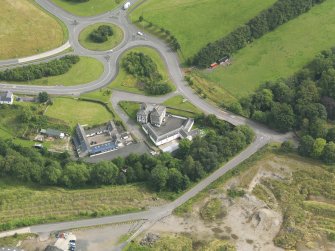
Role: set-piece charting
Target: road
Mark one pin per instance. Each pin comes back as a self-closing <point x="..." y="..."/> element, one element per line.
<point x="110" y="60"/>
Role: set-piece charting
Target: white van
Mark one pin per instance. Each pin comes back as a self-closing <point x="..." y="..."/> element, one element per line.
<point x="126" y="5"/>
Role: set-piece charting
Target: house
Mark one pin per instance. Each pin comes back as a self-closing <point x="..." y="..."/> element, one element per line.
<point x="153" y="114"/>
<point x="174" y="127"/>
<point x="53" y="133"/>
<point x="97" y="140"/>
<point x="162" y="128"/>
<point x="6" y="98"/>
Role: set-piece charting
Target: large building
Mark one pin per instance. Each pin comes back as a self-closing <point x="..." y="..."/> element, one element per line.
<point x="96" y="140"/>
<point x="6" y="98"/>
<point x="162" y="128"/>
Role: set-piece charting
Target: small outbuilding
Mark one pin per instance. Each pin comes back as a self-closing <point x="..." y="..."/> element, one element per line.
<point x="6" y="98"/>
<point x="52" y="133"/>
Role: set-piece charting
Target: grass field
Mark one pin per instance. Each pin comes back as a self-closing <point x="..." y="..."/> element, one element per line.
<point x="279" y="53"/>
<point x="178" y="102"/>
<point x="36" y="204"/>
<point x="86" y="70"/>
<point x="90" y="8"/>
<point x="113" y="41"/>
<point x="197" y="22"/>
<point x="126" y="82"/>
<point x="27" y="30"/>
<point x="74" y="111"/>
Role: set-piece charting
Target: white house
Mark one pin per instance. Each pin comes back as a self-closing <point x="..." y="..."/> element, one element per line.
<point x="6" y="98"/>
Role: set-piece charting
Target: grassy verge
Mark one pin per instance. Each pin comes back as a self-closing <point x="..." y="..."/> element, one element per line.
<point x="14" y="240"/>
<point x="126" y="82"/>
<point x="195" y="23"/>
<point x="113" y="41"/>
<point x="78" y="111"/>
<point x="178" y="102"/>
<point x="27" y="204"/>
<point x="86" y="70"/>
<point x="278" y="54"/>
<point x="89" y="8"/>
<point x="26" y="29"/>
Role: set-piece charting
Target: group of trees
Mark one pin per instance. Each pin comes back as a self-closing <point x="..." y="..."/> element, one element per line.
<point x="145" y="70"/>
<point x="163" y="172"/>
<point x="279" y="13"/>
<point x="36" y="71"/>
<point x="303" y="102"/>
<point x="101" y="34"/>
<point x="172" y="40"/>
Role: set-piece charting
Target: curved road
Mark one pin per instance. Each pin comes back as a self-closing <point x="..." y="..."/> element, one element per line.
<point x="110" y="60"/>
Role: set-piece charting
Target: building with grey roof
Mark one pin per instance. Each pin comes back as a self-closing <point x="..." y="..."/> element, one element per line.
<point x="6" y="98"/>
<point x="153" y="114"/>
<point x="85" y="144"/>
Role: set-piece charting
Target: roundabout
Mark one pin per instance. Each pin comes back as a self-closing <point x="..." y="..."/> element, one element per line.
<point x="114" y="40"/>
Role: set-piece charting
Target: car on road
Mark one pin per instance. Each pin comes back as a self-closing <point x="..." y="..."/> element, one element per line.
<point x="139" y="33"/>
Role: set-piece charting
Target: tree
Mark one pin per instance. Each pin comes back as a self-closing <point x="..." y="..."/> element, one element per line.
<point x="140" y="19"/>
<point x="328" y="154"/>
<point x="287" y="146"/>
<point x="159" y="176"/>
<point x="282" y="117"/>
<point x="104" y="172"/>
<point x="43" y="97"/>
<point x="306" y="145"/>
<point x="318" y="147"/>
<point x="174" y="180"/>
<point x="75" y="175"/>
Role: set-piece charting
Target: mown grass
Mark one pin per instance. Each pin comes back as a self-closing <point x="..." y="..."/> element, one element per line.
<point x="90" y="8"/>
<point x="195" y="23"/>
<point x="130" y="108"/>
<point x="24" y="204"/>
<point x="113" y="41"/>
<point x="86" y="70"/>
<point x="73" y="111"/>
<point x="179" y="102"/>
<point x="128" y="83"/>
<point x="278" y="54"/>
<point x="26" y="30"/>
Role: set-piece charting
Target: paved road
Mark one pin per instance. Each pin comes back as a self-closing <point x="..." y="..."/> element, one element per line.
<point x="110" y="60"/>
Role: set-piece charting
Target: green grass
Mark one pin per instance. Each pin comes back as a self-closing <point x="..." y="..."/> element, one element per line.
<point x="212" y="210"/>
<point x="128" y="83"/>
<point x="86" y="70"/>
<point x="102" y="95"/>
<point x="30" y="204"/>
<point x="130" y="108"/>
<point x="90" y="8"/>
<point x="278" y="54"/>
<point x="73" y="111"/>
<point x="195" y="23"/>
<point x="12" y="241"/>
<point x="179" y="102"/>
<point x="113" y="41"/>
<point x="25" y="29"/>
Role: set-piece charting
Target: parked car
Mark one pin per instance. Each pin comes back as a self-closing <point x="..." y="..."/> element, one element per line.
<point x="139" y="33"/>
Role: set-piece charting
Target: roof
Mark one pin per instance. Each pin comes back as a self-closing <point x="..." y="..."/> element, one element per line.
<point x="172" y="126"/>
<point x="108" y="146"/>
<point x="6" y="96"/>
<point x="51" y="132"/>
<point x="158" y="110"/>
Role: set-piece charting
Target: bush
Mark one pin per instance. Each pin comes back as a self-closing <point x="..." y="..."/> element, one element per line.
<point x="101" y="34"/>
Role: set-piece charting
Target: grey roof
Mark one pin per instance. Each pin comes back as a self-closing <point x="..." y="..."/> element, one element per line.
<point x="170" y="127"/>
<point x="158" y="110"/>
<point x="51" y="132"/>
<point x="6" y="96"/>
